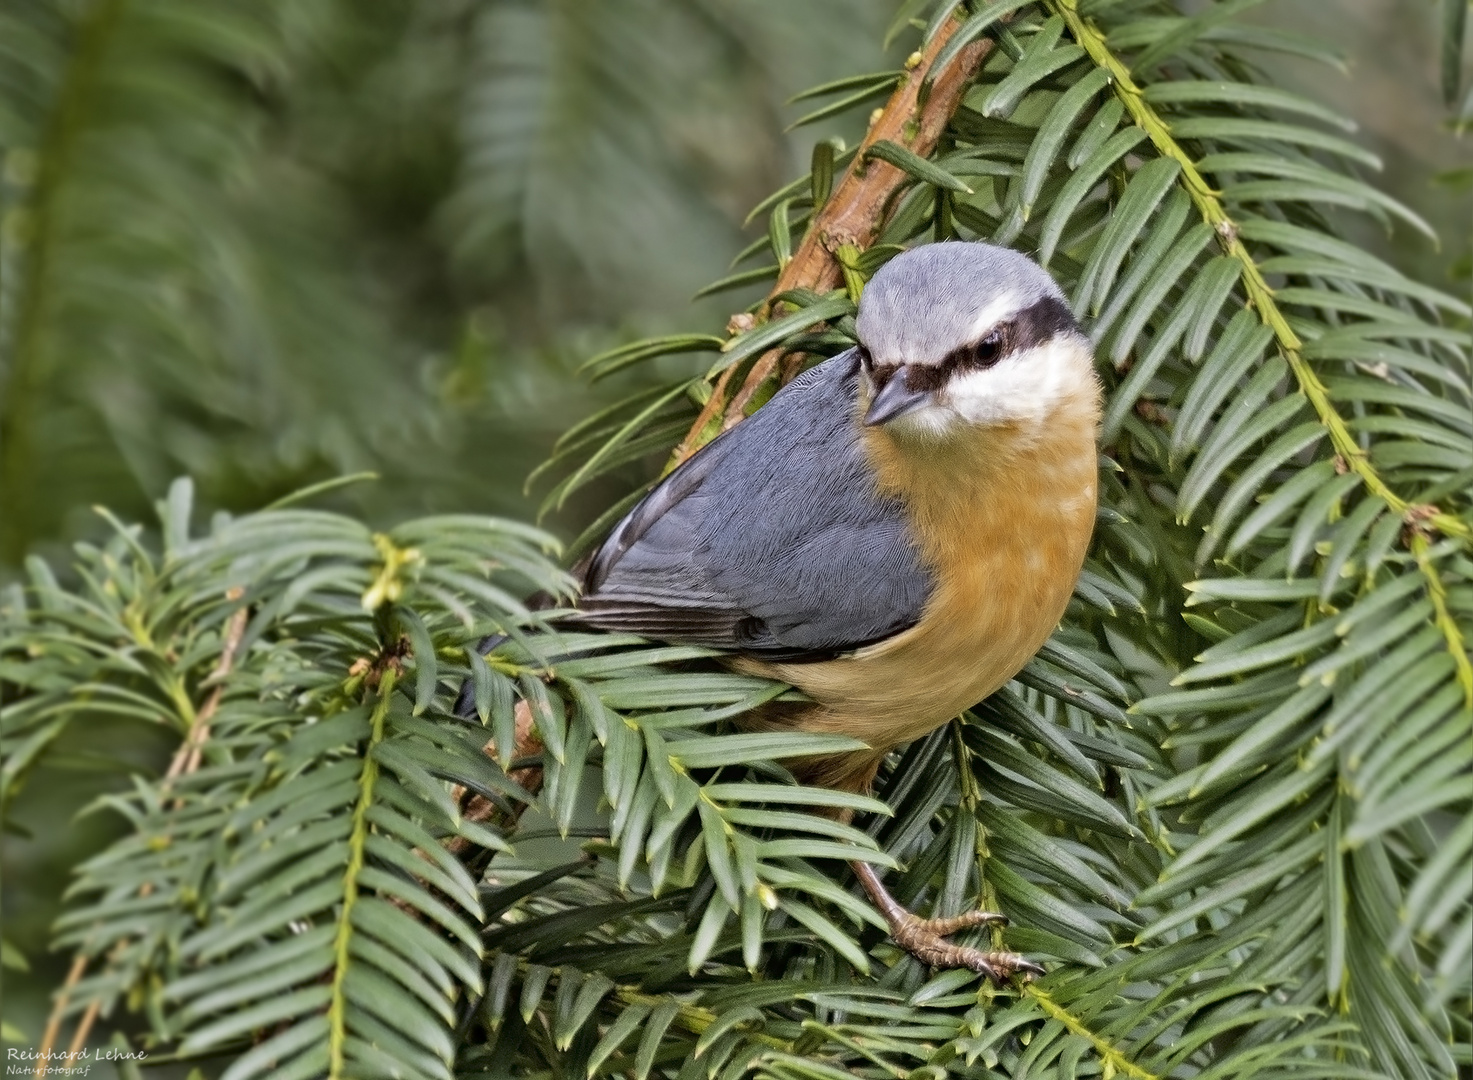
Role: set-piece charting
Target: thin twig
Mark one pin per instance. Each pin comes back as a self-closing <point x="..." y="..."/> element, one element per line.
<point x="187" y="758"/>
<point x="84" y="1028"/>
<point x="854" y="214"/>
<point x="1437" y="593"/>
<point x="63" y="998"/>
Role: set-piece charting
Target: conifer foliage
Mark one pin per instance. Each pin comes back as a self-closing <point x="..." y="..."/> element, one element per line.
<point x="1228" y="806"/>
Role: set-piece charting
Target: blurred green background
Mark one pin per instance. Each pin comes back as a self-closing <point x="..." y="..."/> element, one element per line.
<point x="268" y="244"/>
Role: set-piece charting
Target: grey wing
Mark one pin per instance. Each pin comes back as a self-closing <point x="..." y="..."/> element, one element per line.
<point x="770" y="541"/>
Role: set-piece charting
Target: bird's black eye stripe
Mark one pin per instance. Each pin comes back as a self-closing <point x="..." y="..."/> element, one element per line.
<point x="977" y="355"/>
<point x="929" y="377"/>
<point x="1035" y="325"/>
<point x="1045" y="320"/>
<point x="1031" y="327"/>
<point x="880" y="374"/>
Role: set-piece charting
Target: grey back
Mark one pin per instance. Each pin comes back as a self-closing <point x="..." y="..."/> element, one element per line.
<point x="771" y="541"/>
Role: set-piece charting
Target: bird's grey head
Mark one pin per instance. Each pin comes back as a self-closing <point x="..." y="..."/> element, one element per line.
<point x="956" y="335"/>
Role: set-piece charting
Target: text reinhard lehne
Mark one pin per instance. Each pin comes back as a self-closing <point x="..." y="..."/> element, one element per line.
<point x="63" y="1062"/>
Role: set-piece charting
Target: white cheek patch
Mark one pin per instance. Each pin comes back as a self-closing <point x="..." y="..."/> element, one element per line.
<point x="1025" y="387"/>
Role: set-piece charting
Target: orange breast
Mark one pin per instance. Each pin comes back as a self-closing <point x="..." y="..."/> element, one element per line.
<point x="1003" y="520"/>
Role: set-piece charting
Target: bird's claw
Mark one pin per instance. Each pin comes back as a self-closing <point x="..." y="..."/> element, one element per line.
<point x="925" y="939"/>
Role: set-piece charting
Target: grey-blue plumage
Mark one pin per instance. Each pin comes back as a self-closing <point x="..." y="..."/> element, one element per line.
<point x="771" y="541"/>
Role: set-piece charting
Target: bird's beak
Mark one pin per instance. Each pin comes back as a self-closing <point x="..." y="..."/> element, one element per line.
<point x="895" y="399"/>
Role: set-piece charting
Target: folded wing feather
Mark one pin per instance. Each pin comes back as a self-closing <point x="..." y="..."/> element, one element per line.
<point x="771" y="541"/>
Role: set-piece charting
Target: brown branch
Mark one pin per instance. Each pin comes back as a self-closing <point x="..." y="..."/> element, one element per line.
<point x="53" y="1022"/>
<point x="713" y="408"/>
<point x="479" y="808"/>
<point x="185" y="761"/>
<point x="187" y="758"/>
<point x="854" y="214"/>
<point x="84" y="1028"/>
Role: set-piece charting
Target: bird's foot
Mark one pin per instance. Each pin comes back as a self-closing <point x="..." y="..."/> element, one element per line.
<point x="925" y="939"/>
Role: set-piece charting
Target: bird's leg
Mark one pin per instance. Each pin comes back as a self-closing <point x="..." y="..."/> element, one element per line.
<point x="925" y="938"/>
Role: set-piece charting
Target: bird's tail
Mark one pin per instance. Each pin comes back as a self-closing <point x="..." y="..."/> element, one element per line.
<point x="465" y="702"/>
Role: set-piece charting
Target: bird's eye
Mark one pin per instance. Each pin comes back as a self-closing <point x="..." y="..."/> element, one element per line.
<point x="989" y="350"/>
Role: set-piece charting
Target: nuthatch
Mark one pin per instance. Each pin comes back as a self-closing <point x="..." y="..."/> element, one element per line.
<point x="895" y="533"/>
